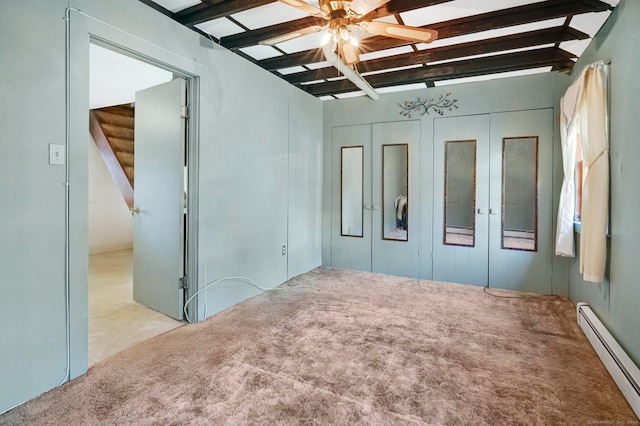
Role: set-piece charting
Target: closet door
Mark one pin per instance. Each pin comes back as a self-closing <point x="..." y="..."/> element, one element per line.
<point x="461" y="198"/>
<point x="351" y="198"/>
<point x="395" y="198"/>
<point x="521" y="234"/>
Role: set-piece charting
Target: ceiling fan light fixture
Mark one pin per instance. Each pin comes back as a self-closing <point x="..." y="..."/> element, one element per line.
<point x="326" y="38"/>
<point x="344" y="32"/>
<point x="354" y="41"/>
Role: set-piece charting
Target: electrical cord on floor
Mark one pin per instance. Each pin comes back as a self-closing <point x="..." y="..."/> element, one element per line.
<point x="242" y="279"/>
<point x="536" y="296"/>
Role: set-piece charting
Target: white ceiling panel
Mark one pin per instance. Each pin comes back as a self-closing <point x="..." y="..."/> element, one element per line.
<point x="176" y="5"/>
<point x="308" y="42"/>
<point x="220" y="27"/>
<point x="269" y="14"/>
<point x="485" y="55"/>
<point x="401" y="88"/>
<point x="457" y="9"/>
<point x="577" y="47"/>
<point x="318" y="65"/>
<point x="260" y="52"/>
<point x="590" y="23"/>
<point x="492" y="76"/>
<point x="292" y="70"/>
<point x="408" y="67"/>
<point x="385" y="53"/>
<point x="306" y="83"/>
<point x="337" y="78"/>
<point x="326" y="98"/>
<point x="350" y="95"/>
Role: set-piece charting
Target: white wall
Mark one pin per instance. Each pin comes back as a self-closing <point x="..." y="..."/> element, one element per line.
<point x="110" y="223"/>
<point x="247" y="135"/>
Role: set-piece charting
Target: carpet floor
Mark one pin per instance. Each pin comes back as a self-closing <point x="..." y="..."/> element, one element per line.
<point x="352" y="348"/>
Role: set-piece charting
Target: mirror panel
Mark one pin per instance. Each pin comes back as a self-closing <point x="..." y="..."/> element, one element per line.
<point x="520" y="193"/>
<point x="460" y="193"/>
<point x="395" y="191"/>
<point x="351" y="190"/>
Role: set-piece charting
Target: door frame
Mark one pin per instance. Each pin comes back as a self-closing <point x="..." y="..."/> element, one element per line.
<point x="191" y="144"/>
<point x="83" y="29"/>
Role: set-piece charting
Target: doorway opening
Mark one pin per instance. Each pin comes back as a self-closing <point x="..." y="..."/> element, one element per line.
<point x="116" y="320"/>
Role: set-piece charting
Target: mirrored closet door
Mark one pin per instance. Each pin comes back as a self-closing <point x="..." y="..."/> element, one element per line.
<point x="492" y="202"/>
<point x="375" y="198"/>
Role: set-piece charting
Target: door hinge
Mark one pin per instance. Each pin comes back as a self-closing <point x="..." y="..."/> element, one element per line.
<point x="184" y="111"/>
<point x="183" y="283"/>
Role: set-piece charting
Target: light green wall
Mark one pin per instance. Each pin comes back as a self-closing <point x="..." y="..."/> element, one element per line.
<point x="501" y="95"/>
<point x="617" y="300"/>
<point x="252" y="126"/>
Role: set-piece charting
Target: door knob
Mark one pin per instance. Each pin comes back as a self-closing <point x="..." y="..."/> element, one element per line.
<point x="376" y="207"/>
<point x="368" y="206"/>
<point x="493" y="211"/>
<point x="482" y="211"/>
<point x="134" y="211"/>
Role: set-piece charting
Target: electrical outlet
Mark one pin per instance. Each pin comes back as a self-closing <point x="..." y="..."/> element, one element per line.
<point x="284" y="250"/>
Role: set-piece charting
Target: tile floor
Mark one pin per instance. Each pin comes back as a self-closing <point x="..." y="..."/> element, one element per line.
<point x="116" y="322"/>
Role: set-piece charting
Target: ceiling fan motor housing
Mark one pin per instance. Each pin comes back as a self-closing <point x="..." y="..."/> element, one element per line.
<point x="335" y="9"/>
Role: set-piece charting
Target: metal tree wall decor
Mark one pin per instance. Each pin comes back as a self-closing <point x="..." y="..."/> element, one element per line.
<point x="422" y="107"/>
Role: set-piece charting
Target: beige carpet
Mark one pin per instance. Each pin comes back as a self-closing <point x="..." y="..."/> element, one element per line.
<point x="357" y="348"/>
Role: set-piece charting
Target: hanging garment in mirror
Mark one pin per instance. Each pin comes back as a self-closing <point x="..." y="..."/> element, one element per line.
<point x="395" y="188"/>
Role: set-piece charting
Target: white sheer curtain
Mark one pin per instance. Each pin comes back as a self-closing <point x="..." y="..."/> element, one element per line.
<point x="569" y="125"/>
<point x="584" y="115"/>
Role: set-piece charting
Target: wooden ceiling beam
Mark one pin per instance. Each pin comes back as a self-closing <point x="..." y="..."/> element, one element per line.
<point x="493" y="45"/>
<point x="536" y="12"/>
<point x="213" y="9"/>
<point x="252" y="38"/>
<point x="551" y="56"/>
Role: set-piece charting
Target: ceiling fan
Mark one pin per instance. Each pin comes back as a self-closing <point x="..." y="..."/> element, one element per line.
<point x="343" y="17"/>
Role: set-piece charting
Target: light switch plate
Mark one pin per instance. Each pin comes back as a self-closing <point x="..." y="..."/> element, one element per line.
<point x="56" y="154"/>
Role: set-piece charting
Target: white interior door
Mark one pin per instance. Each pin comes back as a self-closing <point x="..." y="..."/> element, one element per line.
<point x="158" y="240"/>
<point x="351" y="198"/>
<point x="520" y="267"/>
<point x="461" y="152"/>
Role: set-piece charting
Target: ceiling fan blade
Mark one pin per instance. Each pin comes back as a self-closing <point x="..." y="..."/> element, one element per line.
<point x="304" y="7"/>
<point x="290" y="36"/>
<point x="349" y="53"/>
<point x="402" y="32"/>
<point x="362" y="7"/>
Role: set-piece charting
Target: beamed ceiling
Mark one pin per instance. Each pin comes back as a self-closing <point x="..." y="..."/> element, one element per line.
<point x="477" y="40"/>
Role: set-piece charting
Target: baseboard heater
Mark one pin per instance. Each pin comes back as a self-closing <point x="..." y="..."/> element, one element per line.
<point x="622" y="369"/>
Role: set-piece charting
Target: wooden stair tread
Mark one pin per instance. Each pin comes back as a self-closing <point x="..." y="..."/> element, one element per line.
<point x="117" y="131"/>
<point x="108" y="117"/>
<point x="125" y="158"/>
<point x="122" y="145"/>
<point x="126" y="110"/>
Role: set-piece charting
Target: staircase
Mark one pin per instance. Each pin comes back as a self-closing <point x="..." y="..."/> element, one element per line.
<point x="112" y="128"/>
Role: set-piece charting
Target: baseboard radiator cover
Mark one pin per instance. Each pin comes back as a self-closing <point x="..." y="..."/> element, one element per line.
<point x="621" y="368"/>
